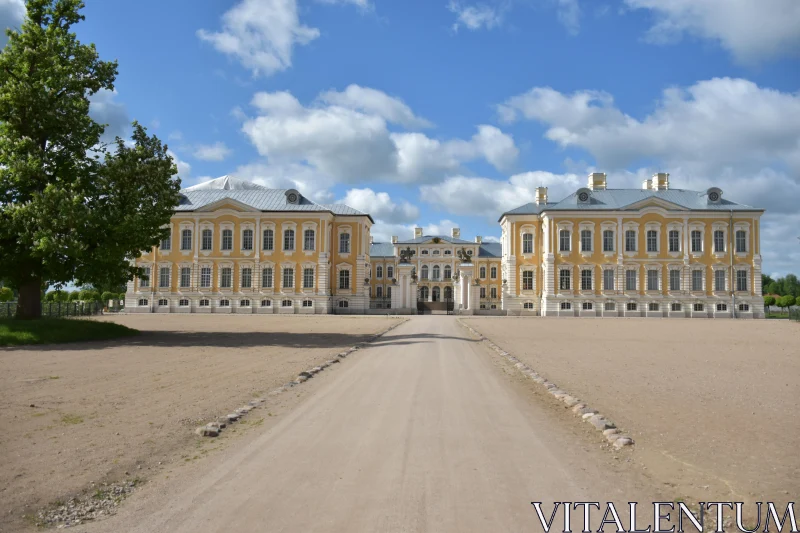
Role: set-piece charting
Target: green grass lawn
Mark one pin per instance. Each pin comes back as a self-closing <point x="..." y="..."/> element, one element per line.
<point x="59" y="330"/>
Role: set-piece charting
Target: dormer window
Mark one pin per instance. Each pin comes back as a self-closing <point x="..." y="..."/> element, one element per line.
<point x="584" y="196"/>
<point x="292" y="197"/>
<point x="714" y="195"/>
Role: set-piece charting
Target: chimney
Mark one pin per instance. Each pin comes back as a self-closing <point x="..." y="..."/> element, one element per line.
<point x="417" y="232"/>
<point x="478" y="239"/>
<point x="647" y="185"/>
<point x="455" y="233"/>
<point x="660" y="181"/>
<point x="371" y="239"/>
<point x="541" y="195"/>
<point x="597" y="181"/>
<point x="394" y="239"/>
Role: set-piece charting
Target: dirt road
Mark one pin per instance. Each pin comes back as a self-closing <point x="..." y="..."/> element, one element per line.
<point x="419" y="432"/>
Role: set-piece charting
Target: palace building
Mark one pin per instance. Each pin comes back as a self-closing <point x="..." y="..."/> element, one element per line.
<point x="237" y="247"/>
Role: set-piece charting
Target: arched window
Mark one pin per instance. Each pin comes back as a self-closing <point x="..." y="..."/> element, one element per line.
<point x="436" y="272"/>
<point x="527" y="243"/>
<point x="483" y="273"/>
<point x="493" y="272"/>
<point x="564" y="240"/>
<point x="186" y="239"/>
<point x="448" y="273"/>
<point x="269" y="240"/>
<point x="308" y="240"/>
<point x="288" y="239"/>
<point x="266" y="303"/>
<point x="204" y="302"/>
<point x="247" y="239"/>
<point x="436" y="293"/>
<point x="227" y="239"/>
<point x="379" y="272"/>
<point x="424" y="272"/>
<point x="423" y="293"/>
<point x="390" y="271"/>
<point x="206" y="244"/>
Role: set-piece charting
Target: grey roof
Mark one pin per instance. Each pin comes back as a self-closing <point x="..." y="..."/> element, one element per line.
<point x="490" y="249"/>
<point x="381" y="249"/>
<point x="426" y="238"/>
<point x="226" y="183"/>
<point x="343" y="209"/>
<point x="620" y="199"/>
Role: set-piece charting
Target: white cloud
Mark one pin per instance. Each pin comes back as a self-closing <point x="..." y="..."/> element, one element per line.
<point x="569" y="14"/>
<point x="374" y="102"/>
<point x="363" y="4"/>
<point x="752" y="30"/>
<point x="12" y="13"/>
<point x="104" y="109"/>
<point x="475" y="17"/>
<point x="184" y="170"/>
<point x="381" y="206"/>
<point x="261" y="34"/>
<point x="349" y="145"/>
<point x="212" y="152"/>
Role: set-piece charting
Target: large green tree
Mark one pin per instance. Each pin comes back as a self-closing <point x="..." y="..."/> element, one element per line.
<point x="71" y="208"/>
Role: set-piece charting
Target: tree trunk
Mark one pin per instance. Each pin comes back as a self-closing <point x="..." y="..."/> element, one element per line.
<point x="29" y="306"/>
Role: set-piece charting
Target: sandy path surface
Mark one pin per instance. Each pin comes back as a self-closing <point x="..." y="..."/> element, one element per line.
<point x="418" y="432"/>
<point x="106" y="408"/>
<point x="712" y="404"/>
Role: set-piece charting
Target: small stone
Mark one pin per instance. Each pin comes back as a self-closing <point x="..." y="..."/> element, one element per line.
<point x="332" y="361"/>
<point x="622" y="442"/>
<point x="316" y="369"/>
<point x="600" y="423"/>
<point x="569" y="401"/>
<point x="612" y="437"/>
<point x="549" y="385"/>
<point x="222" y="422"/>
<point x="576" y="408"/>
<point x="610" y="431"/>
<point x="306" y="374"/>
<point x="587" y="416"/>
<point x="301" y="378"/>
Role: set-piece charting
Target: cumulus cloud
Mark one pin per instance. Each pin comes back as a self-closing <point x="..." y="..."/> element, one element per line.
<point x="383" y="232"/>
<point x="351" y="140"/>
<point x="751" y="30"/>
<point x="569" y="14"/>
<point x="261" y="34"/>
<point x="105" y="109"/>
<point x="212" y="152"/>
<point x="381" y="206"/>
<point x="475" y="17"/>
<point x="185" y="171"/>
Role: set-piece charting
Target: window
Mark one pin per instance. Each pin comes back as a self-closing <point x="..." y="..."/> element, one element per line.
<point x="483" y="306"/>
<point x="674" y="240"/>
<point x="286" y="303"/>
<point x="436" y="272"/>
<point x="206" y="241"/>
<point x="448" y="273"/>
<point x="483" y="292"/>
<point x="390" y="272"/>
<point x="224" y="303"/>
<point x="697" y="280"/>
<point x="247" y="239"/>
<point x="205" y="277"/>
<point x="269" y="240"/>
<point x="483" y="273"/>
<point x="587" y="306"/>
<point x="163" y="277"/>
<point x="630" y="280"/>
<point x="586" y="240"/>
<point x="379" y="292"/>
<point x="586" y="280"/>
<point x="493" y="306"/>
<point x="204" y="302"/>
<point x="675" y="307"/>
<point x="527" y="280"/>
<point x="652" y="240"/>
<point x="183" y="302"/>
<point x="652" y="280"/>
<point x="309" y="239"/>
<point x="741" y="280"/>
<point x="608" y="280"/>
<point x="610" y="306"/>
<point x="266" y="303"/>
<point x="493" y="292"/>
<point x="698" y="308"/>
<point x="308" y="278"/>
<point x="379" y="272"/>
<point x="722" y="308"/>
<point x="630" y="240"/>
<point x="226" y="281"/>
<point x="389" y="292"/>
<point x="674" y="280"/>
<point x="493" y="273"/>
<point x="741" y="241"/>
<point x="144" y="281"/>
<point x="563" y="240"/>
<point x="436" y="252"/>
<point x="697" y="241"/>
<point x="244" y="303"/>
<point x="744" y="307"/>
<point x="344" y="303"/>
<point x="719" y="280"/>
<point x="344" y="279"/>
<point x="227" y="239"/>
<point x="186" y="276"/>
<point x="344" y="243"/>
<point x="166" y="244"/>
<point x="424" y="272"/>
<point x="608" y="240"/>
<point x="564" y="279"/>
<point x="448" y="252"/>
<point x="288" y="278"/>
<point x="308" y="303"/>
<point x="652" y="306"/>
<point x="527" y="305"/>
<point x="719" y="240"/>
<point x="527" y="243"/>
<point x="186" y="239"/>
<point x="288" y="239"/>
<point x="143" y="301"/>
<point x="247" y="278"/>
<point x="565" y="306"/>
<point x="424" y="252"/>
<point x="631" y="306"/>
<point x="266" y="278"/>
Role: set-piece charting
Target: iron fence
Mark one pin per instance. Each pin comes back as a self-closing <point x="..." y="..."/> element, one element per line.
<point x="56" y="309"/>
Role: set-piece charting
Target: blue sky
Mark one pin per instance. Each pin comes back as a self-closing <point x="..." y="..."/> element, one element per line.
<point x="440" y="113"/>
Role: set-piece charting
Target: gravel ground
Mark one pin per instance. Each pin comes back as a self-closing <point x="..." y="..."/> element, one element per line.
<point x="712" y="404"/>
<point x="74" y="416"/>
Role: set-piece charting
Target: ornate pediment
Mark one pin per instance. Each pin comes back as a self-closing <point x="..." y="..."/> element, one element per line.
<point x="227" y="203"/>
<point x="657" y="203"/>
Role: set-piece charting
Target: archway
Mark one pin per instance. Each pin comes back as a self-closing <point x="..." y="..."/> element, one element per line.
<point x="448" y="293"/>
<point x="423" y="294"/>
<point x="436" y="295"/>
